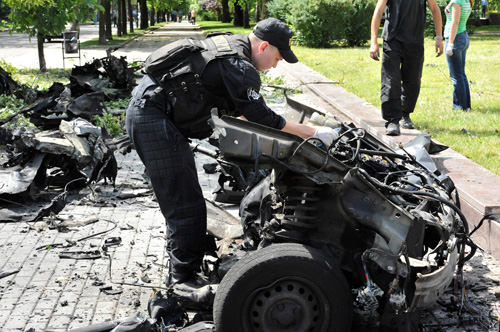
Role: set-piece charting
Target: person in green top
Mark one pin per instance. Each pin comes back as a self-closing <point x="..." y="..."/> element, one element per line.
<point x="457" y="42"/>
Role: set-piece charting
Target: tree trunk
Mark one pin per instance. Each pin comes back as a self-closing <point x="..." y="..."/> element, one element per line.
<point x="226" y="17"/>
<point x="144" y="14"/>
<point x="75" y="26"/>
<point x="238" y="16"/>
<point x="41" y="55"/>
<point x="130" y="16"/>
<point x="153" y="17"/>
<point x="246" y="17"/>
<point x="263" y="13"/>
<point x="107" y="15"/>
<point x="119" y="20"/>
<point x="258" y="10"/>
<point x="124" y="17"/>
<point x="102" y="27"/>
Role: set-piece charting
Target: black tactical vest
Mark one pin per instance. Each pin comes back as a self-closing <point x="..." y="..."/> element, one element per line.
<point x="178" y="67"/>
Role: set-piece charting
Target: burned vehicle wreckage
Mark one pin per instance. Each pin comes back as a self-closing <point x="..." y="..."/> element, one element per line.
<point x="327" y="220"/>
<point x="63" y="148"/>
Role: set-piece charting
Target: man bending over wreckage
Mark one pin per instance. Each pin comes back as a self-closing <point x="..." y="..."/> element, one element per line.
<point x="185" y="80"/>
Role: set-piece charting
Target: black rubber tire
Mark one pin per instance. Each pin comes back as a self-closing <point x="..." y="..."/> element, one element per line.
<point x="283" y="287"/>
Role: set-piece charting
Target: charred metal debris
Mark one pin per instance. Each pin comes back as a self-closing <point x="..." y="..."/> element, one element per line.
<point x="64" y="149"/>
<point x="331" y="219"/>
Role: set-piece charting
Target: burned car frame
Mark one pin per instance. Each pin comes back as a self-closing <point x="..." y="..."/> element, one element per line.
<point x="327" y="220"/>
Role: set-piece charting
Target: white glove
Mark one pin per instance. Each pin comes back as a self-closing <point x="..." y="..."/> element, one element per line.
<point x="326" y="134"/>
<point x="449" y="49"/>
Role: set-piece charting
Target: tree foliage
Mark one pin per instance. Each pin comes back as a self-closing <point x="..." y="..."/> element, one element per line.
<point x="4" y="10"/>
<point x="280" y="9"/>
<point x="48" y="17"/>
<point x="210" y="5"/>
<point x="42" y="18"/>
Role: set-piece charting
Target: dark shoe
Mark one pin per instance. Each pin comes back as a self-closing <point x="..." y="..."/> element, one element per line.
<point x="392" y="129"/>
<point x="196" y="298"/>
<point x="195" y="293"/>
<point x="406" y="122"/>
<point x="194" y="282"/>
<point x="174" y="278"/>
<point x="191" y="280"/>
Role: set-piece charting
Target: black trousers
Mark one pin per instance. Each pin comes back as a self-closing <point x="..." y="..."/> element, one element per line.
<point x="400" y="82"/>
<point x="171" y="166"/>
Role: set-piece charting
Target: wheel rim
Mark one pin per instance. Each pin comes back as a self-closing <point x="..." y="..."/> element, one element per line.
<point x="288" y="304"/>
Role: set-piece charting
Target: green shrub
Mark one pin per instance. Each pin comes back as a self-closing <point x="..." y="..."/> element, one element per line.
<point x="318" y="23"/>
<point x="324" y="23"/>
<point x="359" y="28"/>
<point x="10" y="105"/>
<point x="279" y="9"/>
<point x="113" y="123"/>
<point x="209" y="16"/>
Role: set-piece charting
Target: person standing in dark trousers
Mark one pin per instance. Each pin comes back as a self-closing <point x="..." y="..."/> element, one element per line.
<point x="232" y="85"/>
<point x="403" y="56"/>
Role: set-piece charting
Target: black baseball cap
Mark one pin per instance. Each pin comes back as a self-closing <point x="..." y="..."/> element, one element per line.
<point x="277" y="34"/>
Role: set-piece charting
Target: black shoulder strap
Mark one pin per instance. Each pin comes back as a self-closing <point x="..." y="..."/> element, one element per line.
<point x="221" y="46"/>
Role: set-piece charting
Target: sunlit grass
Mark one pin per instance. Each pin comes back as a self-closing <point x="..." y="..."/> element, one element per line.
<point x="37" y="80"/>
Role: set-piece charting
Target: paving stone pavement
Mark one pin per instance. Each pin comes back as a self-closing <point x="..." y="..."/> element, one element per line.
<point x="50" y="293"/>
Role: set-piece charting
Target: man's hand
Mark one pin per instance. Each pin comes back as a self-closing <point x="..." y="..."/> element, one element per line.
<point x="374" y="51"/>
<point x="326" y="134"/>
<point x="449" y="49"/>
<point x="439" y="47"/>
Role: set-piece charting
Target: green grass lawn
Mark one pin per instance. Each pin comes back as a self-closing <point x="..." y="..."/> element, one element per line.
<point x="475" y="134"/>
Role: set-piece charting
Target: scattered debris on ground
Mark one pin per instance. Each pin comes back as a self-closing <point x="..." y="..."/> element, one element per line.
<point x="64" y="149"/>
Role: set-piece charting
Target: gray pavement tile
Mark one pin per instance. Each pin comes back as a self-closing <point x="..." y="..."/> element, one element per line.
<point x="8" y="304"/>
<point x="59" y="323"/>
<point x="23" y="307"/>
<point x="37" y="325"/>
<point x="15" y="323"/>
<point x="45" y="302"/>
<point x="65" y="308"/>
<point x="4" y="315"/>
